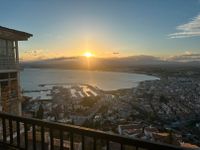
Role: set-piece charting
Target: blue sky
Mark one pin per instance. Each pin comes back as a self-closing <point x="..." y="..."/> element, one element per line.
<point x="129" y="27"/>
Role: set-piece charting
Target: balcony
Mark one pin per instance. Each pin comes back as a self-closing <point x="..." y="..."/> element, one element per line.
<point x="27" y="133"/>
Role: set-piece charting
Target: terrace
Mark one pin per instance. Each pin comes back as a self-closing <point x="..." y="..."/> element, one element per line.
<point x="27" y="133"/>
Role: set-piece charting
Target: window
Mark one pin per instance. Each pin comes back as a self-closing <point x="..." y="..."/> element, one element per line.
<point x="3" y="76"/>
<point x="6" y="50"/>
<point x="2" y="47"/>
<point x="13" y="75"/>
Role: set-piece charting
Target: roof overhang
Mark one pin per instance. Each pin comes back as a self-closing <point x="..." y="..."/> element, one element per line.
<point x="11" y="34"/>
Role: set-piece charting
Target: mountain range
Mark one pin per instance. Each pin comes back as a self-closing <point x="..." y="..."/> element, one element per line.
<point x="95" y="63"/>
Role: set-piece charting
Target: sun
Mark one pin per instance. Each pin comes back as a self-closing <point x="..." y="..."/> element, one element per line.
<point x="88" y="54"/>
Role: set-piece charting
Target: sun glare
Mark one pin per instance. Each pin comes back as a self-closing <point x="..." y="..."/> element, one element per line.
<point x="88" y="54"/>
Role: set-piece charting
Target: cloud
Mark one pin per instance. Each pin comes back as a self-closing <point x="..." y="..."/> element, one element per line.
<point x="190" y="29"/>
<point x="31" y="54"/>
<point x="185" y="57"/>
<point x="62" y="58"/>
<point x="115" y="53"/>
<point x="42" y="54"/>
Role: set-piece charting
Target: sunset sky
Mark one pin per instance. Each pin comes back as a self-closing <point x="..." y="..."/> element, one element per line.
<point x="105" y="28"/>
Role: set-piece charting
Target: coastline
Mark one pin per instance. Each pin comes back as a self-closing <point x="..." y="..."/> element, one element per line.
<point x="46" y="86"/>
<point x="99" y="70"/>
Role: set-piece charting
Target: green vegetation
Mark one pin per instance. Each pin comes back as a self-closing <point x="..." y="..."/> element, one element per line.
<point x="89" y="101"/>
<point x="163" y="99"/>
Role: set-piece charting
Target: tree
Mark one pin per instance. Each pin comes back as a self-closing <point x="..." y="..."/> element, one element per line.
<point x="163" y="99"/>
<point x="40" y="112"/>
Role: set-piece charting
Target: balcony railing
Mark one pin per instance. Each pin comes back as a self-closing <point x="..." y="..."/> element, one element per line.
<point x="26" y="133"/>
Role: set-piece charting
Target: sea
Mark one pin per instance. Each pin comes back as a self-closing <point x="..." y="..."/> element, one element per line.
<point x="34" y="79"/>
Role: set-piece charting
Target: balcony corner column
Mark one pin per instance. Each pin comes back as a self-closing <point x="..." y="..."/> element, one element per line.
<point x="17" y="52"/>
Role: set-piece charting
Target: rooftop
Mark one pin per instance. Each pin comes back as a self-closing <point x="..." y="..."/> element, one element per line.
<point x="11" y="34"/>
